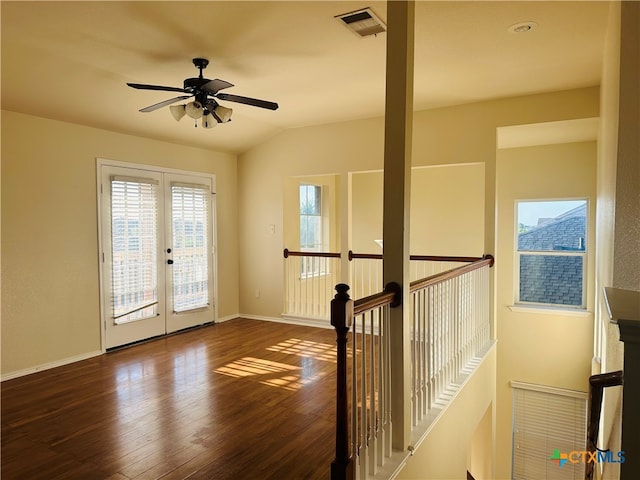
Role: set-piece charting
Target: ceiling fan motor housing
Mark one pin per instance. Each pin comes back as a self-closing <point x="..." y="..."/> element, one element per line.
<point x="195" y="83"/>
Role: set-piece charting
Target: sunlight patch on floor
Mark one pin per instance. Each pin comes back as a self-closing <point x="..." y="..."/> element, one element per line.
<point x="274" y="374"/>
<point x="249" y="366"/>
<point x="306" y="348"/>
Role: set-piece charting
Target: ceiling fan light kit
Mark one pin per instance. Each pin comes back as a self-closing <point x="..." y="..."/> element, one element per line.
<point x="194" y="110"/>
<point x="205" y="93"/>
<point x="223" y="113"/>
<point x="178" y="111"/>
<point x="209" y="121"/>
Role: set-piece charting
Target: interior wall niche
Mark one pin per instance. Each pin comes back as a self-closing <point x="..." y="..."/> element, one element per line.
<point x="447" y="210"/>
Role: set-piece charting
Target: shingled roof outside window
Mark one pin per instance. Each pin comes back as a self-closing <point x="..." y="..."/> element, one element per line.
<point x="551" y="257"/>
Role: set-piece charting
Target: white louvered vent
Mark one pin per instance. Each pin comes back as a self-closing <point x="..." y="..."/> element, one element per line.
<point x="363" y="22"/>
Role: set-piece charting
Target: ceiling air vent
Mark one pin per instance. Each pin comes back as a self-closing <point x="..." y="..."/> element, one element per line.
<point x="362" y="22"/>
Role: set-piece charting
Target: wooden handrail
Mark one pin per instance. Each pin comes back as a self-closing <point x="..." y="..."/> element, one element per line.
<point x="438" y="258"/>
<point x="449" y="274"/>
<point x="371" y="256"/>
<point x="424" y="258"/>
<point x="291" y="253"/>
<point x="389" y="296"/>
<point x="597" y="384"/>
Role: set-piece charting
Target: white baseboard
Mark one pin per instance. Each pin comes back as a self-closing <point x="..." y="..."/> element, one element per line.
<point x="228" y="317"/>
<point x="47" y="366"/>
<point x="305" y="322"/>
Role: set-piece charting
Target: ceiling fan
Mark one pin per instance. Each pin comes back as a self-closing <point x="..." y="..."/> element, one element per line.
<point x="205" y="93"/>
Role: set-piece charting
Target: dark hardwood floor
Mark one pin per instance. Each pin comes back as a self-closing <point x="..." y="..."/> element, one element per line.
<point x="240" y="400"/>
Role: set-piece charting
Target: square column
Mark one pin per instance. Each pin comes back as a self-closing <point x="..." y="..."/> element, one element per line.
<point x="397" y="182"/>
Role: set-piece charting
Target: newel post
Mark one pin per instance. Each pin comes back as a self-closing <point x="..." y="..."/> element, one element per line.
<point x="341" y="319"/>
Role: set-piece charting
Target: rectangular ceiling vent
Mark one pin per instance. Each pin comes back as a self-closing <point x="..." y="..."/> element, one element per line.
<point x="363" y="22"/>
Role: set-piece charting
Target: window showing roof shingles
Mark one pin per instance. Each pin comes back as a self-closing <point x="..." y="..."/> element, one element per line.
<point x="553" y="279"/>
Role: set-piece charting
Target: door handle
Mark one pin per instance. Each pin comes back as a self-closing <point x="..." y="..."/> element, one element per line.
<point x="170" y="262"/>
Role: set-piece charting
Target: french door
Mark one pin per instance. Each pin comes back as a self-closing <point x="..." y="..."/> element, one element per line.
<point x="157" y="252"/>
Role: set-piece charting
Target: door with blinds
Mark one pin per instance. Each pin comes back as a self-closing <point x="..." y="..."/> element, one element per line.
<point x="157" y="253"/>
<point x="189" y="251"/>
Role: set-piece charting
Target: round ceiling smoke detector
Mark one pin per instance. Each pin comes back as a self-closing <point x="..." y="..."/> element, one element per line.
<point x="522" y="27"/>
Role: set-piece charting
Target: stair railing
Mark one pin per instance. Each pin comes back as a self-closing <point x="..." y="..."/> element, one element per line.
<point x="309" y="281"/>
<point x="449" y="330"/>
<point x="363" y="400"/>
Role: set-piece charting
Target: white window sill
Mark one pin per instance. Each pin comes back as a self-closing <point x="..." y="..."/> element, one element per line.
<point x="314" y="275"/>
<point x="548" y="310"/>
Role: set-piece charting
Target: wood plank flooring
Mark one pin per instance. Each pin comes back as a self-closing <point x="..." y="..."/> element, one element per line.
<point x="240" y="400"/>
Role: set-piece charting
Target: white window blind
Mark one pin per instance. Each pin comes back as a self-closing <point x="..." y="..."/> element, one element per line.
<point x="134" y="244"/>
<point x="546" y="419"/>
<point x="190" y="212"/>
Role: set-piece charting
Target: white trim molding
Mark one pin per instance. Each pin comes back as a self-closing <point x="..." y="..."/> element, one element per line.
<point x="228" y="317"/>
<point x="292" y="320"/>
<point x="50" y="365"/>
<point x="549" y="389"/>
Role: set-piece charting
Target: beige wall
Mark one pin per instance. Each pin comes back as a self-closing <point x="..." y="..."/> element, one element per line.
<point x="454" y="135"/>
<point x="447" y="210"/>
<point x="537" y="346"/>
<point x="50" y="295"/>
<point x="366" y="211"/>
<point x="445" y="453"/>
<point x="481" y="446"/>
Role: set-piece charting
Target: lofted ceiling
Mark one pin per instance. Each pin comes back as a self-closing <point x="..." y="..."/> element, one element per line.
<point x="70" y="61"/>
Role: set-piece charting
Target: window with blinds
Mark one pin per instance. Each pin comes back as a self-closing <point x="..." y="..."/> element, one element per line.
<point x="190" y="217"/>
<point x="134" y="248"/>
<point x="546" y="420"/>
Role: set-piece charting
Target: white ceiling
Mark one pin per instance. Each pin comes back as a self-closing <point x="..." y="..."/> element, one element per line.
<point x="70" y="60"/>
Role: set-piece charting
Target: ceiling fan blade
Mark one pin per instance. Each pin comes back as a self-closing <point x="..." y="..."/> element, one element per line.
<point x="142" y="86"/>
<point x="248" y="101"/>
<point x="214" y="86"/>
<point x="156" y="106"/>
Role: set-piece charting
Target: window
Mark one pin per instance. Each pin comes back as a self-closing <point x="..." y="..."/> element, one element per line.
<point x="311" y="232"/>
<point x="548" y="424"/>
<point x="551" y="253"/>
<point x="311" y="218"/>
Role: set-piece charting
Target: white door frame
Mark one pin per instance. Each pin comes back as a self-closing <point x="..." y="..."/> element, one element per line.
<point x="100" y="163"/>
